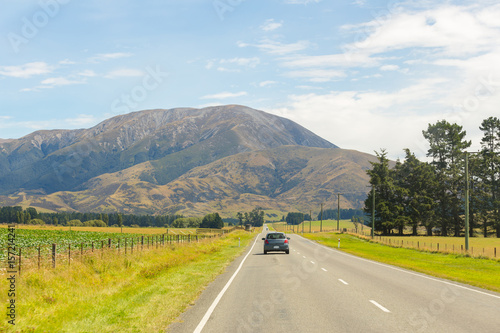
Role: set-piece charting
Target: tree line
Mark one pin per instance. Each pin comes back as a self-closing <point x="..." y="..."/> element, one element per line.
<point x="431" y="194"/>
<point x="16" y="214"/>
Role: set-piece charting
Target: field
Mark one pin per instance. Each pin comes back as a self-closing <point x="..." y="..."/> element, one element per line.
<point x="316" y="226"/>
<point x="478" y="246"/>
<point x="143" y="291"/>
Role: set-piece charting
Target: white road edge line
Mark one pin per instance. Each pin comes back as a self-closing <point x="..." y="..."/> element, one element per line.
<point x="312" y="262"/>
<point x="324" y="269"/>
<point x="379" y="306"/>
<point x="211" y="309"/>
<point x="406" y="271"/>
<point x="343" y="282"/>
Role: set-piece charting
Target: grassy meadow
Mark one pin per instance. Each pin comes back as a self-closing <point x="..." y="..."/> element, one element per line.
<point x="140" y="292"/>
<point x="317" y="226"/>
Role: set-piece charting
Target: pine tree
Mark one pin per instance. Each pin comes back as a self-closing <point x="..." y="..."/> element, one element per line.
<point x="447" y="147"/>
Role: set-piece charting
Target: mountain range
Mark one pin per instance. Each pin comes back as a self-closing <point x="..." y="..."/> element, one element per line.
<point x="185" y="160"/>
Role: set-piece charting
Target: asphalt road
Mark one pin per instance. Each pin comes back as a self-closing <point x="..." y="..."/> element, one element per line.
<point x="317" y="289"/>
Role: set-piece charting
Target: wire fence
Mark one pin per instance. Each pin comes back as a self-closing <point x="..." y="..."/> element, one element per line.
<point x="23" y="258"/>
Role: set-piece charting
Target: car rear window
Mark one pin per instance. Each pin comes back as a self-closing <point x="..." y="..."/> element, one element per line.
<point x="275" y="236"/>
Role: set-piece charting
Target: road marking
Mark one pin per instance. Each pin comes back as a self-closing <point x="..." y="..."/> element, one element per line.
<point x="211" y="309"/>
<point x="324" y="269"/>
<point x="379" y="306"/>
<point x="312" y="262"/>
<point x="304" y="257"/>
<point x="405" y="271"/>
<point x="343" y="282"/>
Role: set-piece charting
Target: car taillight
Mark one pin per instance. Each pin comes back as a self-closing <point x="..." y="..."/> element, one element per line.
<point x="267" y="242"/>
<point x="286" y="241"/>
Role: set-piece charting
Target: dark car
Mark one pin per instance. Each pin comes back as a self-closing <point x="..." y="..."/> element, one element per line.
<point x="276" y="242"/>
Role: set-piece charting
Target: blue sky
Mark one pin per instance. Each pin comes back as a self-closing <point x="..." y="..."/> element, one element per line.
<point x="362" y="74"/>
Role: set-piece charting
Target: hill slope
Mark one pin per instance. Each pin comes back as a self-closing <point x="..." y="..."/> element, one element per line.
<point x="286" y="178"/>
<point x="175" y="140"/>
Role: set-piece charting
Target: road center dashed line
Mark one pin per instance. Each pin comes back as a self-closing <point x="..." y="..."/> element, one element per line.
<point x="324" y="269"/>
<point x="343" y="282"/>
<point x="379" y="306"/>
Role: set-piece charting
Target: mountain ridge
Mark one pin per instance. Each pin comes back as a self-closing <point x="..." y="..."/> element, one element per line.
<point x="183" y="160"/>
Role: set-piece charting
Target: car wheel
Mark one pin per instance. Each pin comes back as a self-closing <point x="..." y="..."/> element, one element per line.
<point x="287" y="251"/>
<point x="265" y="252"/>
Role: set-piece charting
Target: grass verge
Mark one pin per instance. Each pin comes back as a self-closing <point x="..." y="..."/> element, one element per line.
<point x="483" y="273"/>
<point x="142" y="292"/>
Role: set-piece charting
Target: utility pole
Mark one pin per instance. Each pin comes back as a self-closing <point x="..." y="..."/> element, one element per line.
<point x="466" y="201"/>
<point x="338" y="211"/>
<point x="321" y="224"/>
<point x="373" y="210"/>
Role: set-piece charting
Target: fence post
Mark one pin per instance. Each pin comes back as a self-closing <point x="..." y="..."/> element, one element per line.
<point x="132" y="246"/>
<point x="53" y="255"/>
<point x="125" y="246"/>
<point x="109" y="242"/>
<point x="189" y="238"/>
<point x="69" y="254"/>
<point x="92" y="247"/>
<point x="39" y="257"/>
<point x="81" y="251"/>
<point x="495" y="252"/>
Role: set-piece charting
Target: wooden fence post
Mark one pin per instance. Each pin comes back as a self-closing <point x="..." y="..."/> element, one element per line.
<point x="53" y="255"/>
<point x="109" y="242"/>
<point x="69" y="254"/>
<point x="81" y="251"/>
<point x="39" y="259"/>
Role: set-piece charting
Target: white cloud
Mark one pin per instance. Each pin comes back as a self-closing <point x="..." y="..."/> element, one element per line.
<point x="82" y="120"/>
<point x="66" y="62"/>
<point x="124" y="72"/>
<point x="266" y="83"/>
<point x="59" y="81"/>
<point x="317" y="75"/>
<point x="239" y="62"/>
<point x="109" y="56"/>
<point x="278" y="48"/>
<point x="445" y="30"/>
<point x="27" y="70"/>
<point x="225" y="95"/>
<point x="357" y="59"/>
<point x="87" y="73"/>
<point x="389" y="68"/>
<point x="271" y="25"/>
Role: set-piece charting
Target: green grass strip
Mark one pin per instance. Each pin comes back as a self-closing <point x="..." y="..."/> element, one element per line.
<point x="479" y="272"/>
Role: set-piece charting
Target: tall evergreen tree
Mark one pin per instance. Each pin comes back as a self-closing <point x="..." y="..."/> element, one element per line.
<point x="489" y="172"/>
<point x="447" y="147"/>
<point x="419" y="179"/>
